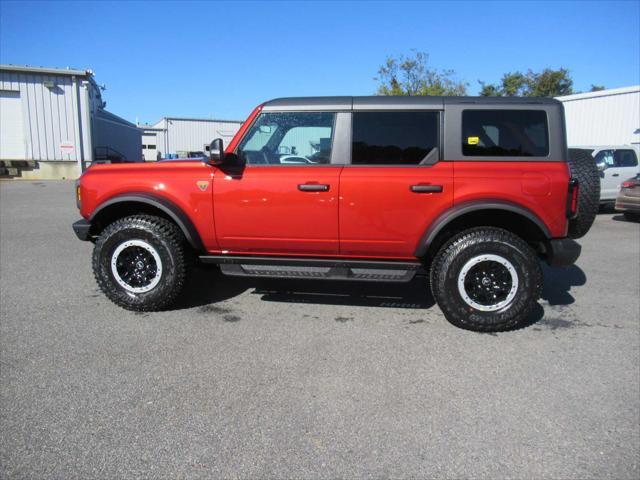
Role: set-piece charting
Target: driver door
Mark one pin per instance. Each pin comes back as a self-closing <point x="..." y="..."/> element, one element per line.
<point x="284" y="199"/>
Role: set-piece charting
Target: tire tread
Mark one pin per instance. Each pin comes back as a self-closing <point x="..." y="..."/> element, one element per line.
<point x="170" y="233"/>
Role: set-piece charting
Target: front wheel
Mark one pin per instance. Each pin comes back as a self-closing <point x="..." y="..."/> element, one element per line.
<point x="139" y="262"/>
<point x="486" y="279"/>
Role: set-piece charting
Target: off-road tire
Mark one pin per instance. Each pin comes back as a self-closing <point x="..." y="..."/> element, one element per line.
<point x="473" y="243"/>
<point x="168" y="242"/>
<point x="584" y="169"/>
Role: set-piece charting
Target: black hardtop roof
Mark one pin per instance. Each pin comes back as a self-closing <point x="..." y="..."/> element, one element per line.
<point x="396" y="102"/>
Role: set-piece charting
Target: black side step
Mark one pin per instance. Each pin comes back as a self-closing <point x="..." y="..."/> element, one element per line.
<point x="315" y="268"/>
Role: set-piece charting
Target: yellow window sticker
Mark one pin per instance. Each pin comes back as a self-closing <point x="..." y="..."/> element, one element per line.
<point x="473" y="140"/>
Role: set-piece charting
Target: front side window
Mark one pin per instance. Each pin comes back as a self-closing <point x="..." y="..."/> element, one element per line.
<point x="289" y="138"/>
<point x="505" y="133"/>
<point x="605" y="159"/>
<point x="394" y="138"/>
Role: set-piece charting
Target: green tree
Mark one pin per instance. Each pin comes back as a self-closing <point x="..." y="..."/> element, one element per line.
<point x="548" y="83"/>
<point x="411" y="76"/>
<point x="596" y="88"/>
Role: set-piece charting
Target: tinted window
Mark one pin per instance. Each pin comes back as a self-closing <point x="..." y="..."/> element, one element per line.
<point x="302" y="138"/>
<point x="505" y="133"/>
<point x="393" y="138"/>
<point x="625" y="158"/>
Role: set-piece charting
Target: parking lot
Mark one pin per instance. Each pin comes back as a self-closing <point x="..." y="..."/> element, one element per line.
<point x="290" y="379"/>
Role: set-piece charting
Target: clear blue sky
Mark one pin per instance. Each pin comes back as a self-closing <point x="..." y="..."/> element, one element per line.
<point x="220" y="59"/>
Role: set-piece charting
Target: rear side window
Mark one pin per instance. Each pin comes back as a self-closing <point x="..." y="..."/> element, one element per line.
<point x="625" y="158"/>
<point x="505" y="133"/>
<point x="394" y="138"/>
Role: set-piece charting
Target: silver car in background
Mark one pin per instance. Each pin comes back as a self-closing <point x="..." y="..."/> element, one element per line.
<point x="628" y="201"/>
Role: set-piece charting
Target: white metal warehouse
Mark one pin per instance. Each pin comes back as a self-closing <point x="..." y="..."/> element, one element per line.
<point x="53" y="123"/>
<point x="175" y="136"/>
<point x="606" y="117"/>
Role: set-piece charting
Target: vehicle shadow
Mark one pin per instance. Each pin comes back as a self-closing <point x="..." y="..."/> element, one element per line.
<point x="206" y="285"/>
<point x="556" y="287"/>
<point x="622" y="218"/>
<point x="558" y="282"/>
<point x="412" y="295"/>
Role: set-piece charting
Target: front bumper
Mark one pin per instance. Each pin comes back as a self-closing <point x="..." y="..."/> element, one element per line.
<point x="563" y="252"/>
<point x="81" y="228"/>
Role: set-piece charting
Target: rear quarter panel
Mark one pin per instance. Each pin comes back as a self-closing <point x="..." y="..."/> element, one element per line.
<point x="540" y="187"/>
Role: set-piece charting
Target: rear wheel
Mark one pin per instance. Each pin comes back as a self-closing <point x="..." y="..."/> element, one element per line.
<point x="139" y="262"/>
<point x="486" y="279"/>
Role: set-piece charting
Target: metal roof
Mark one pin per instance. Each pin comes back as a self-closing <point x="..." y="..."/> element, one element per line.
<point x="44" y="70"/>
<point x="191" y="119"/>
<point x="600" y="93"/>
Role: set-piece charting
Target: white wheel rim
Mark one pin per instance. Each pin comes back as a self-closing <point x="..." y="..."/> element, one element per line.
<point x="116" y="271"/>
<point x="488" y="283"/>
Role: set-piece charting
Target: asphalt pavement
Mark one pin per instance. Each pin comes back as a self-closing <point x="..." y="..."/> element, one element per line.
<point x="296" y="379"/>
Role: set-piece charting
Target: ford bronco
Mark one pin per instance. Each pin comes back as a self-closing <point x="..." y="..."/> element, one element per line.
<point x="470" y="192"/>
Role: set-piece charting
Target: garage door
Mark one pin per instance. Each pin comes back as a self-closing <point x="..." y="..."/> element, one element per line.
<point x="11" y="132"/>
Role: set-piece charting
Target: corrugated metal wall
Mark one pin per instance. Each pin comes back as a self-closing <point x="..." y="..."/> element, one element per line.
<point x="603" y="120"/>
<point x="192" y="135"/>
<point x="50" y="115"/>
<point x="59" y="113"/>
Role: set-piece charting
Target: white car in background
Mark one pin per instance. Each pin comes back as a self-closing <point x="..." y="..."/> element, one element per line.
<point x="616" y="163"/>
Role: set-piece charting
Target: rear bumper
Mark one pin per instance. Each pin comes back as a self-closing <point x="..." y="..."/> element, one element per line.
<point x="628" y="204"/>
<point x="563" y="252"/>
<point x="81" y="228"/>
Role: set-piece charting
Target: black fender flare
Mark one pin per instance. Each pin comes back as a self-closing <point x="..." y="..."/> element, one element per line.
<point x="464" y="208"/>
<point x="166" y="206"/>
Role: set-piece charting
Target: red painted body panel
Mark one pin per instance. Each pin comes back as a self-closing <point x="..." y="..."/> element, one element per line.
<point x="381" y="217"/>
<point x="175" y="181"/>
<point x="542" y="187"/>
<point x="368" y="212"/>
<point x="262" y="210"/>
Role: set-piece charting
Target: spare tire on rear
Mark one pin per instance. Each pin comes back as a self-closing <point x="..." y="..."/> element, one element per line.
<point x="584" y="169"/>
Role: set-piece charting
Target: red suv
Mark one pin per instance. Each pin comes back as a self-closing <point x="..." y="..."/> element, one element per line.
<point x="472" y="192"/>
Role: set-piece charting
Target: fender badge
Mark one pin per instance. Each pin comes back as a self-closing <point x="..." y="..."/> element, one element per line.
<point x="202" y="184"/>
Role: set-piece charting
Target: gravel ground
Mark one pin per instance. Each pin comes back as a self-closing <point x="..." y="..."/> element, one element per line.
<point x="286" y="379"/>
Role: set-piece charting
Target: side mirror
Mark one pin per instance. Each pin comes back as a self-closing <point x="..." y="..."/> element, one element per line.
<point x="601" y="167"/>
<point x="216" y="152"/>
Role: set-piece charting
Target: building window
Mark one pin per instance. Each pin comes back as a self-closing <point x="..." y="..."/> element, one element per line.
<point x="505" y="133"/>
<point x="394" y="138"/>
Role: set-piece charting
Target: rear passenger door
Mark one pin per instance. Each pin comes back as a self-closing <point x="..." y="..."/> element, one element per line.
<point x="395" y="184"/>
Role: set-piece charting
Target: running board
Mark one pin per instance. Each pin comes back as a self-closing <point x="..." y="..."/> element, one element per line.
<point x="314" y="268"/>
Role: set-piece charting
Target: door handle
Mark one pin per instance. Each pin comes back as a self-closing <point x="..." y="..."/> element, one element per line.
<point x="313" y="187"/>
<point x="426" y="188"/>
<point x="615" y="174"/>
